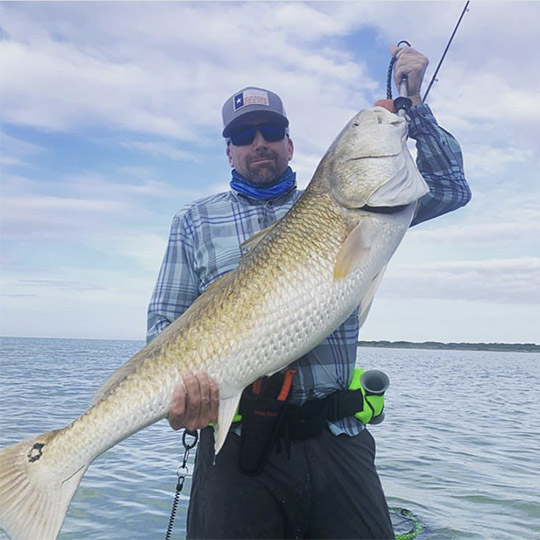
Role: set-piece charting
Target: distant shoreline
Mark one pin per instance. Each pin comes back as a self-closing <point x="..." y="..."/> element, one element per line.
<point x="502" y="347"/>
<point x="508" y="347"/>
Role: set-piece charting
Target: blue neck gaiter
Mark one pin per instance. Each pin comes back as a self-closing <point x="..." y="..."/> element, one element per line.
<point x="264" y="192"/>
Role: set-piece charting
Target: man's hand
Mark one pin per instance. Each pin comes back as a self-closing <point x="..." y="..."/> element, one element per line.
<point x="195" y="402"/>
<point x="411" y="64"/>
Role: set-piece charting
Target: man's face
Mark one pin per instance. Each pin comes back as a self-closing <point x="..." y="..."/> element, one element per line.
<point x="260" y="162"/>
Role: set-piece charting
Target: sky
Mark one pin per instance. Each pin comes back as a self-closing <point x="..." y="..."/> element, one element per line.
<point x="110" y="121"/>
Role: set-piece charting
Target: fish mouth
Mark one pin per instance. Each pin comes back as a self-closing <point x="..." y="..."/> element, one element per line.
<point x="379" y="156"/>
<point x="384" y="209"/>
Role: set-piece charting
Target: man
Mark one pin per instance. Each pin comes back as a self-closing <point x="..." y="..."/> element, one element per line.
<point x="320" y="486"/>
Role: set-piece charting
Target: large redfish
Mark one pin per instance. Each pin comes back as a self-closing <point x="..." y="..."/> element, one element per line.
<point x="298" y="281"/>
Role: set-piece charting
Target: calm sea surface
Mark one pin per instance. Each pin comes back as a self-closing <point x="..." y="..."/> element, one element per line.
<point x="458" y="447"/>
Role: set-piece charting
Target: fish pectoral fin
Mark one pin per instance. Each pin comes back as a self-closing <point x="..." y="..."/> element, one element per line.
<point x="367" y="300"/>
<point x="227" y="410"/>
<point x="354" y="251"/>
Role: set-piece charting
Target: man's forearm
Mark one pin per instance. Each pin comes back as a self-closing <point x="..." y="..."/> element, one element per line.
<point x="440" y="163"/>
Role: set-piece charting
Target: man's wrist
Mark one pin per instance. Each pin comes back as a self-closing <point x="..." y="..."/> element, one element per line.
<point x="416" y="99"/>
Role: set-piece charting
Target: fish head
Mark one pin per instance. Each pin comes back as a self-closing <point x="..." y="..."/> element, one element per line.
<point x="369" y="162"/>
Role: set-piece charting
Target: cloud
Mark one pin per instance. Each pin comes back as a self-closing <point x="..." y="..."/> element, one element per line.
<point x="513" y="281"/>
<point x="127" y="76"/>
<point x="508" y="118"/>
<point x="58" y="285"/>
<point x="143" y="250"/>
<point x="523" y="227"/>
<point x="130" y="78"/>
<point x="162" y="149"/>
<point x="77" y="89"/>
<point x="16" y="151"/>
<point x="67" y="209"/>
<point x="36" y="218"/>
<point x="114" y="70"/>
<point x="135" y="90"/>
<point x="75" y="302"/>
<point x="486" y="161"/>
<point x="127" y="184"/>
<point x="305" y="164"/>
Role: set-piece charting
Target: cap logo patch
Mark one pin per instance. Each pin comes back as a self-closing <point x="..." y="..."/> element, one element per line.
<point x="250" y="97"/>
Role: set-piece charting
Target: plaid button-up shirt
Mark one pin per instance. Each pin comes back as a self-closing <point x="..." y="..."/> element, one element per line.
<point x="206" y="235"/>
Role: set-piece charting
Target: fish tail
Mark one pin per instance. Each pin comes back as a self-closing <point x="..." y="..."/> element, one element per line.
<point x="35" y="488"/>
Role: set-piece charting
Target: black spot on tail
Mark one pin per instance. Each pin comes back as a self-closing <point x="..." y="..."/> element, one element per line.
<point x="35" y="452"/>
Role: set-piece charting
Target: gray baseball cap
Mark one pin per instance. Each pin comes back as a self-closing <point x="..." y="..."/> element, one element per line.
<point x="252" y="99"/>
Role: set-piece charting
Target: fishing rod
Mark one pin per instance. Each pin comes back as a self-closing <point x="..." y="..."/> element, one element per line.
<point x="434" y="78"/>
<point x="402" y="103"/>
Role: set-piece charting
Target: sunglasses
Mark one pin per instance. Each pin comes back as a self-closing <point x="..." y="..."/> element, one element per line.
<point x="244" y="135"/>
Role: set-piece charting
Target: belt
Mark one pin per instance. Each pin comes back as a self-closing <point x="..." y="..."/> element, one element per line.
<point x="267" y="417"/>
<point x="309" y="419"/>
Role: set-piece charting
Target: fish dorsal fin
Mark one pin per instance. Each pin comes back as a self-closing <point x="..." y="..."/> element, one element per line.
<point x="226" y="411"/>
<point x="354" y="251"/>
<point x="218" y="282"/>
<point x="133" y="364"/>
<point x="254" y="240"/>
<point x="119" y="375"/>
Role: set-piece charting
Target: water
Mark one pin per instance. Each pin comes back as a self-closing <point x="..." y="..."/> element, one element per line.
<point x="458" y="447"/>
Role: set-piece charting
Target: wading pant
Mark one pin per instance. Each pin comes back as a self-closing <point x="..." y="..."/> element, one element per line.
<point x="328" y="488"/>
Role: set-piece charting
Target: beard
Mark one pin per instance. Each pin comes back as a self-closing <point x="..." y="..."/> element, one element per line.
<point x="264" y="168"/>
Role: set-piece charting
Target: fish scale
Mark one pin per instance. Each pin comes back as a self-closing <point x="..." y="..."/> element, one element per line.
<point x="298" y="281"/>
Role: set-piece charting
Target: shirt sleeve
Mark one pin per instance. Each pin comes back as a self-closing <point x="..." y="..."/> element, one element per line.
<point x="177" y="284"/>
<point x="440" y="162"/>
